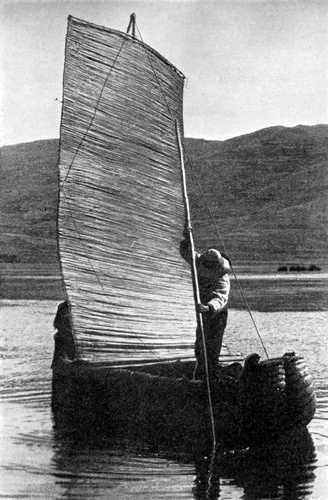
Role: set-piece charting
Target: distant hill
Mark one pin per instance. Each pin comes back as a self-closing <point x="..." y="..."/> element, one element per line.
<point x="265" y="195"/>
<point x="28" y="201"/>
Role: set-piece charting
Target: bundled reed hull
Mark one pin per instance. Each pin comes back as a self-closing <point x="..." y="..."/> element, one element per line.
<point x="169" y="405"/>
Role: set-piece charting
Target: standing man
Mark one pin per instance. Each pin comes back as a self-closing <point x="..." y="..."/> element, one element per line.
<point x="214" y="288"/>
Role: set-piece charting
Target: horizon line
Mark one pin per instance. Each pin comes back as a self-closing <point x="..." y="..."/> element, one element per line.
<point x="300" y="125"/>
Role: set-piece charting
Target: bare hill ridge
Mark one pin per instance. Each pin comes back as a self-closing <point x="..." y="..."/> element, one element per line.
<point x="267" y="192"/>
<point x="263" y="194"/>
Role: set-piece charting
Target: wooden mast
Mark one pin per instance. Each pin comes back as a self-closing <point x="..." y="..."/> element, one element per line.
<point x="195" y="278"/>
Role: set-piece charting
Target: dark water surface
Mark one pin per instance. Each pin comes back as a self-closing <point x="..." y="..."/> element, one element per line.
<point x="38" y="461"/>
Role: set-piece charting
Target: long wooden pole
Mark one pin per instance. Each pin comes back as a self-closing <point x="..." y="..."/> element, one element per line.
<point x="195" y="278"/>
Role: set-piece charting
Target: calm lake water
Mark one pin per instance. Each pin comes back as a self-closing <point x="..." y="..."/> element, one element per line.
<point x="36" y="461"/>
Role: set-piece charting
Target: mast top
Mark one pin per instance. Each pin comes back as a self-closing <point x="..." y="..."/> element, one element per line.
<point x="132" y="25"/>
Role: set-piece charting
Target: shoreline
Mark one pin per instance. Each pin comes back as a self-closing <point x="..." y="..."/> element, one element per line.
<point x="241" y="276"/>
<point x="270" y="292"/>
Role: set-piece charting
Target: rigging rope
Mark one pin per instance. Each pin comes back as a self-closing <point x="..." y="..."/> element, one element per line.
<point x="211" y="216"/>
<point x="194" y="270"/>
<point x="62" y="185"/>
<point x="94" y="112"/>
<point x="241" y="291"/>
<point x="156" y="77"/>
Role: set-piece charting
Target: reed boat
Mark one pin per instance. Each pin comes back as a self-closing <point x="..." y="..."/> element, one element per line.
<point x="124" y="345"/>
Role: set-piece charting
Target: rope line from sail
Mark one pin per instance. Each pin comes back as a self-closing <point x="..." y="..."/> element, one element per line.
<point x="155" y="75"/>
<point x="190" y="229"/>
<point x="62" y="185"/>
<point x="194" y="270"/>
<point x="85" y="134"/>
<point x="210" y="213"/>
<point x="218" y="234"/>
<point x="82" y="242"/>
<point x="174" y="121"/>
<point x="94" y="113"/>
<point x="90" y="262"/>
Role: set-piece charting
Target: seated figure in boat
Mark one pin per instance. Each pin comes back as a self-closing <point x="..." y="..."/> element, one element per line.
<point x="214" y="287"/>
<point x="64" y="342"/>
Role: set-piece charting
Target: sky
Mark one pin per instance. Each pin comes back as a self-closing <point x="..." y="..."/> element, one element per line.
<point x="249" y="64"/>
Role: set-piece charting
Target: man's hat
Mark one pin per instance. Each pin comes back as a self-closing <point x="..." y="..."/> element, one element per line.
<point x="212" y="259"/>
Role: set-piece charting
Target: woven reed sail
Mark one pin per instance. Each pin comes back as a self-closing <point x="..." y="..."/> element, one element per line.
<point x="121" y="210"/>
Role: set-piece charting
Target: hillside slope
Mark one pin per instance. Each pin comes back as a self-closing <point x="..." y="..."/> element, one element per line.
<point x="263" y="195"/>
<point x="28" y="202"/>
<point x="266" y="193"/>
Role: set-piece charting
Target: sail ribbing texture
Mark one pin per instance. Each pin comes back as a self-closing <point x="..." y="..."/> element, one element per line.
<point x="121" y="211"/>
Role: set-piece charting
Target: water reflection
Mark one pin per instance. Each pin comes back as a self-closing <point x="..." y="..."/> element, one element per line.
<point x="39" y="461"/>
<point x="280" y="470"/>
<point x="94" y="462"/>
<point x="110" y="468"/>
